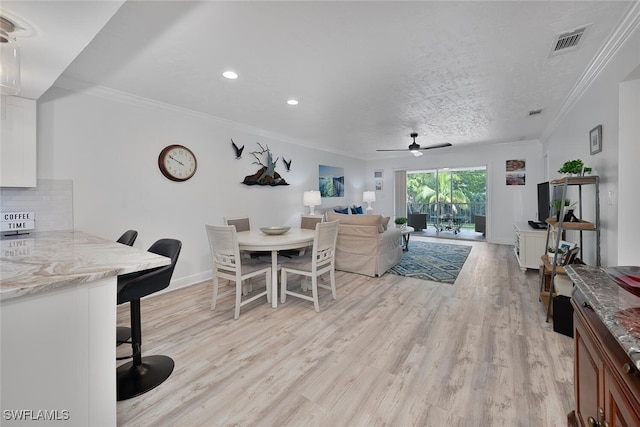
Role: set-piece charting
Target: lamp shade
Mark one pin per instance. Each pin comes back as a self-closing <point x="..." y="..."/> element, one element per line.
<point x="9" y="59"/>
<point x="311" y="198"/>
<point x="369" y="196"/>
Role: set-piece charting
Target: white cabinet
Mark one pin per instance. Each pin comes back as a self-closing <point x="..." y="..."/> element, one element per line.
<point x="529" y="246"/>
<point x="17" y="142"/>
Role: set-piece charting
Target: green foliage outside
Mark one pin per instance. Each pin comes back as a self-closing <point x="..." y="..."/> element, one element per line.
<point x="466" y="197"/>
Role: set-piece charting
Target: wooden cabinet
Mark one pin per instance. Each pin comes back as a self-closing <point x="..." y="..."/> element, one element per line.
<point x="607" y="384"/>
<point x="17" y="142"/>
<point x="529" y="246"/>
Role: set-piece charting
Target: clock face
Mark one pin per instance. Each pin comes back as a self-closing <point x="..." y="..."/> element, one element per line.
<point x="177" y="163"/>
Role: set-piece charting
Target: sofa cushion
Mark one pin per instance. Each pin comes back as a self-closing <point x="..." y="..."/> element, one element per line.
<point x="341" y="211"/>
<point x="385" y="222"/>
<point x="354" y="219"/>
<point x="356" y="210"/>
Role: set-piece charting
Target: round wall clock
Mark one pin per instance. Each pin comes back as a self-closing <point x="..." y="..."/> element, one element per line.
<point x="177" y="162"/>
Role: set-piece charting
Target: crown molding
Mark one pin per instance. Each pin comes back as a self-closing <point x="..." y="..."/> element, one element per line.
<point x="629" y="23"/>
<point x="79" y="86"/>
<point x="138" y="101"/>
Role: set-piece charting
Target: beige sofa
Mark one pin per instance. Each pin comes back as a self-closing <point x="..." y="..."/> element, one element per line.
<point x="365" y="244"/>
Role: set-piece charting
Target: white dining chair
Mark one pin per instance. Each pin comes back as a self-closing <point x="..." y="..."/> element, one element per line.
<point x="242" y="223"/>
<point x="320" y="261"/>
<point x="309" y="222"/>
<point x="229" y="265"/>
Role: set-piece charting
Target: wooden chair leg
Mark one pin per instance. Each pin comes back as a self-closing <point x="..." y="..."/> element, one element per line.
<point x="314" y="291"/>
<point x="214" y="299"/>
<point x="332" y="275"/>
<point x="269" y="285"/>
<point x="236" y="313"/>
<point x="283" y="287"/>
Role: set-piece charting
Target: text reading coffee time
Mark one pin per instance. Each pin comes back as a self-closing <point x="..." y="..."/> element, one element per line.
<point x="17" y="221"/>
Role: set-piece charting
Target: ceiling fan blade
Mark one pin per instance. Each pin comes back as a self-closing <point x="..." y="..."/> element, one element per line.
<point x="444" y="144"/>
<point x="396" y="149"/>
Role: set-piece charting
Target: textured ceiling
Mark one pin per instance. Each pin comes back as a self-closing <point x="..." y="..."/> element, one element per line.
<point x="367" y="74"/>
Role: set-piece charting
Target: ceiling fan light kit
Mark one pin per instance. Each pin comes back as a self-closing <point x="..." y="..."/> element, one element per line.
<point x="415" y="149"/>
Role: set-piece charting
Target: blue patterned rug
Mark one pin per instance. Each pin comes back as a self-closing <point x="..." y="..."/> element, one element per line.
<point x="439" y="262"/>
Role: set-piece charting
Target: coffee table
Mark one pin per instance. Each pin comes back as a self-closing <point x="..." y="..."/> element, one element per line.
<point x="406" y="233"/>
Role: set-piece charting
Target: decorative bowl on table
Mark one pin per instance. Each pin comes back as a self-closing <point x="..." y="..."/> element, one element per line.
<point x="628" y="277"/>
<point x="274" y="231"/>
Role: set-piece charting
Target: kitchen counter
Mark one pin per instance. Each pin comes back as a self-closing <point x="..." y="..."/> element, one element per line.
<point x="618" y="309"/>
<point x="43" y="261"/>
<point x="58" y="326"/>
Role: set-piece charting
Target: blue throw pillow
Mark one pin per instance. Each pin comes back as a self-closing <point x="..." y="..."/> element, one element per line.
<point x="342" y="211"/>
<point x="356" y="210"/>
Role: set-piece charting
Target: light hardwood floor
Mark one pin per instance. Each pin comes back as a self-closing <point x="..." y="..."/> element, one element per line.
<point x="390" y="351"/>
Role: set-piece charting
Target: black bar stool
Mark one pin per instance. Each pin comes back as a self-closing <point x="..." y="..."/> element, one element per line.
<point x="145" y="373"/>
<point x="122" y="332"/>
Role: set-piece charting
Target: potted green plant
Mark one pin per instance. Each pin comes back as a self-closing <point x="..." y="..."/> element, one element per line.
<point x="572" y="167"/>
<point x="400" y="221"/>
<point x="552" y="254"/>
<point x="557" y="205"/>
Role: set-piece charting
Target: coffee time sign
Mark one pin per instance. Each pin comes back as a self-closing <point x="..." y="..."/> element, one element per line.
<point x="17" y="221"/>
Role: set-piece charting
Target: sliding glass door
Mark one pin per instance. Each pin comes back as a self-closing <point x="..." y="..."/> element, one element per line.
<point x="450" y="200"/>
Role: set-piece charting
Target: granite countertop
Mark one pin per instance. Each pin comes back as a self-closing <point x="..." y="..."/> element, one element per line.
<point x="618" y="309"/>
<point x="42" y="261"/>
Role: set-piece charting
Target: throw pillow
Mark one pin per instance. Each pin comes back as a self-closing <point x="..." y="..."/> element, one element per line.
<point x="342" y="211"/>
<point x="356" y="210"/>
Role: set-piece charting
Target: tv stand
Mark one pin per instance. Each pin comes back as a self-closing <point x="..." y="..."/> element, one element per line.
<point x="529" y="246"/>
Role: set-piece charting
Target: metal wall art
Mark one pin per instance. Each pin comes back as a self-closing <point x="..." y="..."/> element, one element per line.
<point x="267" y="174"/>
<point x="287" y="165"/>
<point x="237" y="150"/>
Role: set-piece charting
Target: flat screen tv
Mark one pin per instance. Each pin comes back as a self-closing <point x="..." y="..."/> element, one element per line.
<point x="544" y="201"/>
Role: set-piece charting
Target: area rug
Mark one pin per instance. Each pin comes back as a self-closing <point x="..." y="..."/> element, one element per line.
<point x="439" y="262"/>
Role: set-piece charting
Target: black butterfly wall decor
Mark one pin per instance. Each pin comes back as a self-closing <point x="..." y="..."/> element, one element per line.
<point x="237" y="150"/>
<point x="287" y="165"/>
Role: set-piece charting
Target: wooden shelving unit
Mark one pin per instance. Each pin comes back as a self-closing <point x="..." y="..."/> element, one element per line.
<point x="560" y="226"/>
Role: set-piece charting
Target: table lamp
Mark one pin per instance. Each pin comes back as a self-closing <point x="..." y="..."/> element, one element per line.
<point x="368" y="197"/>
<point x="312" y="199"/>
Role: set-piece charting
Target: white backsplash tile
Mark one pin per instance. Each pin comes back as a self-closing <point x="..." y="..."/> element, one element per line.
<point x="51" y="201"/>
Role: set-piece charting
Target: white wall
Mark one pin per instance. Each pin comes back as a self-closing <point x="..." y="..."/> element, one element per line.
<point x="110" y="148"/>
<point x="505" y="204"/>
<point x="629" y="173"/>
<point x="599" y="105"/>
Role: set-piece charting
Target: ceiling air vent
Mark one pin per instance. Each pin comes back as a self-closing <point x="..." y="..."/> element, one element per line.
<point x="568" y="41"/>
<point x="535" y="112"/>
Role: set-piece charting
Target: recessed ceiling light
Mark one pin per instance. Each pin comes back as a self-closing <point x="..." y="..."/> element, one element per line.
<point x="230" y="75"/>
<point x="292" y="102"/>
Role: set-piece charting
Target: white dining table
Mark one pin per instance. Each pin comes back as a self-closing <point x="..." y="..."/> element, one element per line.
<point x="256" y="240"/>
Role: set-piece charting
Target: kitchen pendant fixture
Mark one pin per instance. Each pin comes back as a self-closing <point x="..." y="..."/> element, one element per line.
<point x="9" y="59"/>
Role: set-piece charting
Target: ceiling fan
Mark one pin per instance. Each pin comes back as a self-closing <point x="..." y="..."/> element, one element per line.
<point x="415" y="148"/>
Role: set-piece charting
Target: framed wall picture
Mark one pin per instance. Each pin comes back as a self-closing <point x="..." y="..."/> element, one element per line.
<point x="331" y="181"/>
<point x="378" y="174"/>
<point x="516" y="174"/>
<point x="595" y="139"/>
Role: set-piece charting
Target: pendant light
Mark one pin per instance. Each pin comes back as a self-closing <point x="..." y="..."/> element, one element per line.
<point x="9" y="59"/>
